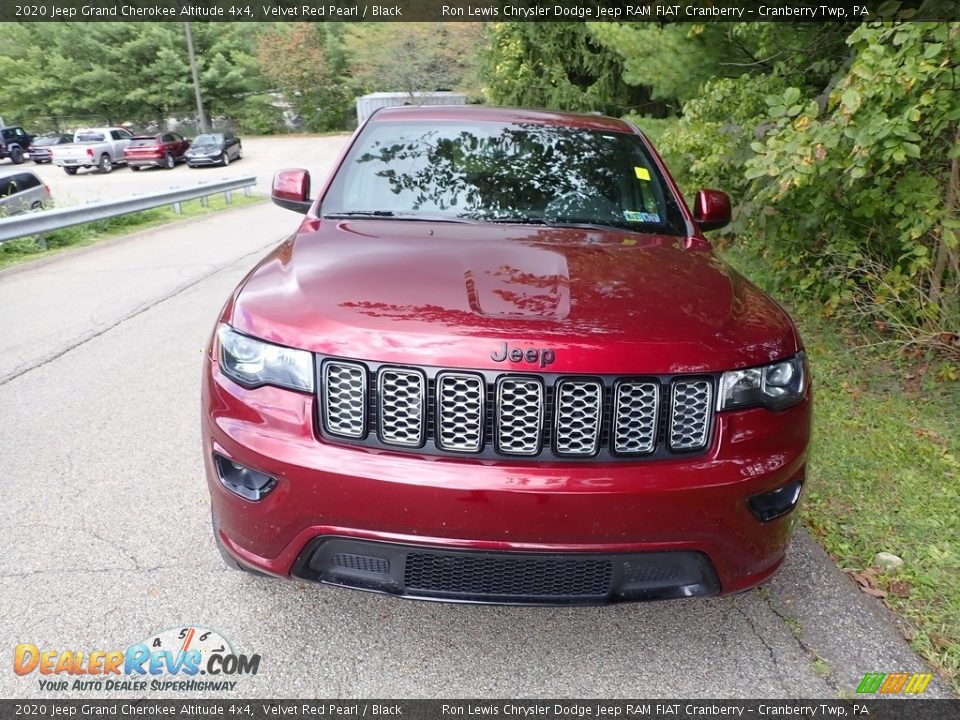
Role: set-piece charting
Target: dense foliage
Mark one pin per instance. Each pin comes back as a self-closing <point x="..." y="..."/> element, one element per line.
<point x="60" y="75"/>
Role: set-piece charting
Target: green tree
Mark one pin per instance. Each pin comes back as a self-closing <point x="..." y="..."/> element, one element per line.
<point x="305" y="62"/>
<point x="557" y="65"/>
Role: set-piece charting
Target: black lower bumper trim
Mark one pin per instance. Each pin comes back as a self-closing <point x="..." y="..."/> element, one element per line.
<point x="505" y="577"/>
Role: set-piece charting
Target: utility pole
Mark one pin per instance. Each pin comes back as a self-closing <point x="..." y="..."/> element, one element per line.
<point x="196" y="78"/>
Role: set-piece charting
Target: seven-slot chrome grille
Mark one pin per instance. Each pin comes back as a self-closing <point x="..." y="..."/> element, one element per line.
<point x="521" y="415"/>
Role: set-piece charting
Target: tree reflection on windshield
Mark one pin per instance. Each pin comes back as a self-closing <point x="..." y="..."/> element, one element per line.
<point x="515" y="173"/>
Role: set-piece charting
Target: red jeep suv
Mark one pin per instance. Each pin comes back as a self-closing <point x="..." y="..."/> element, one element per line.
<point x="499" y="362"/>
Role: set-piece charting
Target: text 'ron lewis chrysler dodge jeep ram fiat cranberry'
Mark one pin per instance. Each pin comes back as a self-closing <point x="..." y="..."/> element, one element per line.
<point x="499" y="362"/>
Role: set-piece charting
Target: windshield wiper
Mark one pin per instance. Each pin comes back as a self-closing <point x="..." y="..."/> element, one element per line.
<point x="515" y="220"/>
<point x="411" y="216"/>
<point x="360" y="213"/>
<point x="526" y="220"/>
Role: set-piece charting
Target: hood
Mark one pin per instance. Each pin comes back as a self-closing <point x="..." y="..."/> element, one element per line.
<point x="451" y="294"/>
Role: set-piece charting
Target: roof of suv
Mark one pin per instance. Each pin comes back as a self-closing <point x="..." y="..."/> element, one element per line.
<point x="585" y="121"/>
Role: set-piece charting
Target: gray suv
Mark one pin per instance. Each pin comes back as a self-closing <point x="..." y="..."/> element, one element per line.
<point x="21" y="191"/>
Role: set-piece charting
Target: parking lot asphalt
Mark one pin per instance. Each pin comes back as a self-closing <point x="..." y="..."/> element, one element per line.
<point x="105" y="524"/>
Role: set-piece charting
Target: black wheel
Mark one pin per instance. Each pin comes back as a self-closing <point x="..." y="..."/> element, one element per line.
<point x="106" y="164"/>
<point x="70" y="170"/>
<point x="226" y="157"/>
<point x="168" y="162"/>
<point x="16" y="155"/>
<point x="135" y="168"/>
<point x="38" y="205"/>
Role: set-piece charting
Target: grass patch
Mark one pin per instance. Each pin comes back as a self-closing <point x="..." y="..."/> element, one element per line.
<point x="884" y="473"/>
<point x="21" y="250"/>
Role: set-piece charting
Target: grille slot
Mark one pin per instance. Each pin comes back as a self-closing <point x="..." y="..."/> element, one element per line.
<point x="401" y="417"/>
<point x="344" y="399"/>
<point x="690" y="414"/>
<point x="504" y="576"/>
<point x="636" y="407"/>
<point x="578" y="407"/>
<point x="460" y="413"/>
<point x="519" y="422"/>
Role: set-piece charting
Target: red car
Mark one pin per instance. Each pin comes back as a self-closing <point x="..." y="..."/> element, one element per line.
<point x="163" y="150"/>
<point x="499" y="362"/>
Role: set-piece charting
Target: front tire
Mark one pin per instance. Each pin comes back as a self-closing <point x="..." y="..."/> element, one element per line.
<point x="70" y="170"/>
<point x="16" y="155"/>
<point x="106" y="164"/>
<point x="226" y="157"/>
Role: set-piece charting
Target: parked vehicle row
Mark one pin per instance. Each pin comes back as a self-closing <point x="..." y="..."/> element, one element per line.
<point x="105" y="148"/>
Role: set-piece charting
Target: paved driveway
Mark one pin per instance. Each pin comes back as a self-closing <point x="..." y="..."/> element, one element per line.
<point x="104" y="518"/>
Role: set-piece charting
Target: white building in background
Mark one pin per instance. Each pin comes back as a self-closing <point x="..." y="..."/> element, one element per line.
<point x="366" y="104"/>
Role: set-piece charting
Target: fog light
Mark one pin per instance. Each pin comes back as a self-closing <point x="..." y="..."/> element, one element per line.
<point x="245" y="482"/>
<point x="771" y="505"/>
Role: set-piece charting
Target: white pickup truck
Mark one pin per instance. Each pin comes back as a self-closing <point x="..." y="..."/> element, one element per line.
<point x="100" y="148"/>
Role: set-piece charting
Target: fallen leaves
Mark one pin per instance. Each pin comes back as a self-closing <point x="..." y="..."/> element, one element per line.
<point x="870" y="582"/>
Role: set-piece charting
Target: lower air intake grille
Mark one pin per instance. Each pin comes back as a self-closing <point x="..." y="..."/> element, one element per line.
<point x="503" y="576"/>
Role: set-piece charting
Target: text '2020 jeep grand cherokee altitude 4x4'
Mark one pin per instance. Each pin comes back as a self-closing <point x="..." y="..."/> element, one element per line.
<point x="499" y="362"/>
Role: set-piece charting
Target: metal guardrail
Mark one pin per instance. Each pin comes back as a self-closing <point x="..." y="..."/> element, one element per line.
<point x="39" y="223"/>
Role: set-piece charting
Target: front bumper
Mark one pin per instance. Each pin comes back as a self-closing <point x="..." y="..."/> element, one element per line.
<point x="199" y="161"/>
<point x="487" y="514"/>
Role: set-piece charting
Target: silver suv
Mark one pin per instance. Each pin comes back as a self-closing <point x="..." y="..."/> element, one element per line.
<point x="21" y="191"/>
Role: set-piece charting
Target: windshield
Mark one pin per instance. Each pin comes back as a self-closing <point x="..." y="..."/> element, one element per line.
<point x="46" y="141"/>
<point x="89" y="137"/>
<point x="208" y="140"/>
<point x="143" y="141"/>
<point x="498" y="172"/>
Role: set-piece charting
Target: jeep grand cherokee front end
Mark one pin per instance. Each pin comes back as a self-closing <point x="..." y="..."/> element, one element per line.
<point x="499" y="362"/>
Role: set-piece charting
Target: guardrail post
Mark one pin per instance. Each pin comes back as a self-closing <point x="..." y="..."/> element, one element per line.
<point x="42" y="241"/>
<point x="246" y="191"/>
<point x="205" y="201"/>
<point x="228" y="196"/>
<point x="178" y="208"/>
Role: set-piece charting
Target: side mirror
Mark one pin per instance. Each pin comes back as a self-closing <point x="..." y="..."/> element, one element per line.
<point x="711" y="210"/>
<point x="291" y="190"/>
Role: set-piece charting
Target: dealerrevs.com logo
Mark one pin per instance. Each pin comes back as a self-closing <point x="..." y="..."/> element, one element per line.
<point x="188" y="659"/>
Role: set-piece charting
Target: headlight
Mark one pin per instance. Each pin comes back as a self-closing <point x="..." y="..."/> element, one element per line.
<point x="252" y="363"/>
<point x="775" y="386"/>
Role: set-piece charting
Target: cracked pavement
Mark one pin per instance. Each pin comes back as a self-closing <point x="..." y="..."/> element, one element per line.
<point x="105" y="525"/>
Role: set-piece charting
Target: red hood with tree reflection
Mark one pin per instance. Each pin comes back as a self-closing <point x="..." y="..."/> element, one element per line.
<point x="449" y="294"/>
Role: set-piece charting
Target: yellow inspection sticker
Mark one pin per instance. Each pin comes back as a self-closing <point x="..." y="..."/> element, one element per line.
<point x="642" y="173"/>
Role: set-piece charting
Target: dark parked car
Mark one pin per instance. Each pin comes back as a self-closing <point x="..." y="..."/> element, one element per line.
<point x="14" y="143"/>
<point x="40" y="151"/>
<point x="214" y="149"/>
<point x="500" y="361"/>
<point x="161" y="150"/>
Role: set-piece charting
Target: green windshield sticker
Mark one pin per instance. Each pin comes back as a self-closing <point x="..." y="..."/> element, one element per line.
<point x="634" y="216"/>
